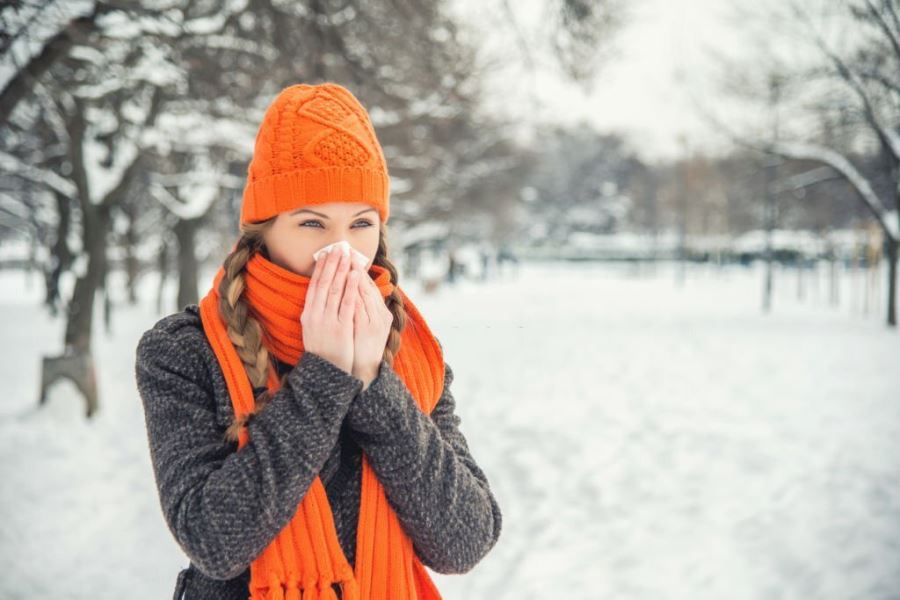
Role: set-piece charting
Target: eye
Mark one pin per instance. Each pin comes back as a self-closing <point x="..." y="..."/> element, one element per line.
<point x="319" y="223"/>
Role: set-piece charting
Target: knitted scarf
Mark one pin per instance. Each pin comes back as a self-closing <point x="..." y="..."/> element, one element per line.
<point x="305" y="558"/>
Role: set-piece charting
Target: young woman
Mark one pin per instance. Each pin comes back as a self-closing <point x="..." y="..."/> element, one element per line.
<point x="301" y="425"/>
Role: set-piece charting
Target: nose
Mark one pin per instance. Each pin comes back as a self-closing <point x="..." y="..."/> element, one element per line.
<point x="339" y="240"/>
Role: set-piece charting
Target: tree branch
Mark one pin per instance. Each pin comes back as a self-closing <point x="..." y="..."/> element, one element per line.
<point x="887" y="136"/>
<point x="835" y="160"/>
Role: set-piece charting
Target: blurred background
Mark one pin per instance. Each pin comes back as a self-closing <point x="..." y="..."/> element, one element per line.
<point x="657" y="240"/>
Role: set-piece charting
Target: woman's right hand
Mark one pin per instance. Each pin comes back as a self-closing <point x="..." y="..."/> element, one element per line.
<point x="331" y="301"/>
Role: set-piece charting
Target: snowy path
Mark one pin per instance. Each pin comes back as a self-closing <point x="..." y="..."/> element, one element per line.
<point x="644" y="441"/>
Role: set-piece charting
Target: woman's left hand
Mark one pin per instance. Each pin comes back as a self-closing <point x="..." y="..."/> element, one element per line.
<point x="371" y="327"/>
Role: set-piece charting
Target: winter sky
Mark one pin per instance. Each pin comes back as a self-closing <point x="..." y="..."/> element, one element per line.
<point x="656" y="65"/>
<point x="663" y="57"/>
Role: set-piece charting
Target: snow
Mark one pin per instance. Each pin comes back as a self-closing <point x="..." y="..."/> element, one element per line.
<point x="43" y="21"/>
<point x="617" y="245"/>
<point x="807" y="242"/>
<point x="644" y="440"/>
<point x="423" y="233"/>
<point x="216" y="22"/>
<point x="636" y="245"/>
<point x="197" y="190"/>
<point x="196" y="130"/>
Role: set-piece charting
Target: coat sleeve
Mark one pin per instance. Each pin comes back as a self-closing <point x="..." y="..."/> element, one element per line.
<point x="431" y="480"/>
<point x="224" y="505"/>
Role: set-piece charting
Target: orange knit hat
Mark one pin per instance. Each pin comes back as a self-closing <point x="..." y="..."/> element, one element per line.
<point x="316" y="144"/>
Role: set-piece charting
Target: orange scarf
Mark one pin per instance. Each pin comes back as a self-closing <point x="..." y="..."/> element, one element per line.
<point x="305" y="558"/>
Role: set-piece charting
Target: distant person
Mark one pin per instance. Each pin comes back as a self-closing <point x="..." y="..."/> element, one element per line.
<point x="506" y="255"/>
<point x="452" y="266"/>
<point x="485" y="262"/>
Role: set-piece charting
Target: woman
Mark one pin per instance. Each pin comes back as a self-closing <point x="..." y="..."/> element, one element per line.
<point x="300" y="420"/>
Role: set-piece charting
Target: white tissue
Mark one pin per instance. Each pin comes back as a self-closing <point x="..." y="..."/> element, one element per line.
<point x="344" y="246"/>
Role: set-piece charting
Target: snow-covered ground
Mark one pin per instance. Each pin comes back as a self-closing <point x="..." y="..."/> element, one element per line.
<point x="644" y="440"/>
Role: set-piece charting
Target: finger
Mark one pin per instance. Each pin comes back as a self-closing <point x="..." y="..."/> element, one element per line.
<point x="359" y="317"/>
<point x="314" y="280"/>
<point x="362" y="316"/>
<point x="368" y="286"/>
<point x="336" y="287"/>
<point x="378" y="300"/>
<point x="323" y="281"/>
<point x="368" y="302"/>
<point x="349" y="303"/>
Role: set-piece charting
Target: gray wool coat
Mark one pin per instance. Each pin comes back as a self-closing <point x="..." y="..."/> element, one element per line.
<point x="224" y="505"/>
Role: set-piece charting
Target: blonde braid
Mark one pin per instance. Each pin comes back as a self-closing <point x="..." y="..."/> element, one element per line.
<point x="244" y="331"/>
<point x="394" y="301"/>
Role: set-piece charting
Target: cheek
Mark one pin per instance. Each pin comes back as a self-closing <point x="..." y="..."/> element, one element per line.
<point x="370" y="245"/>
<point x="298" y="254"/>
<point x="303" y="257"/>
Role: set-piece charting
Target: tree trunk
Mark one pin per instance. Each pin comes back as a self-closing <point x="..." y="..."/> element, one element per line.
<point x="892" y="244"/>
<point x="80" y="310"/>
<point x="76" y="363"/>
<point x="892" y="282"/>
<point x="131" y="261"/>
<point x="162" y="264"/>
<point x="61" y="256"/>
<point x="769" y="226"/>
<point x="185" y="232"/>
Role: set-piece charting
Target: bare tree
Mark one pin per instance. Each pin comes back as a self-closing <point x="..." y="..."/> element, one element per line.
<point x="858" y="80"/>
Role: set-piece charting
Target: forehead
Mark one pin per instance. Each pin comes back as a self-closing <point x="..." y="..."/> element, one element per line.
<point x="335" y="208"/>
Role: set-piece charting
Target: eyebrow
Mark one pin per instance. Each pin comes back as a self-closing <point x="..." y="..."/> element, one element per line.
<point x="300" y="210"/>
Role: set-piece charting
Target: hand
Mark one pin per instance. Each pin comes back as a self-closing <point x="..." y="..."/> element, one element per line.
<point x="331" y="301"/>
<point x="371" y="327"/>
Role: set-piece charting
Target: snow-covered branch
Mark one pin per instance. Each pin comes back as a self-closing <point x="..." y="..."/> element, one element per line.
<point x="199" y="191"/>
<point x="835" y="160"/>
<point x="130" y="22"/>
<point x="807" y="179"/>
<point x="12" y="164"/>
<point x="197" y="130"/>
<point x="105" y="168"/>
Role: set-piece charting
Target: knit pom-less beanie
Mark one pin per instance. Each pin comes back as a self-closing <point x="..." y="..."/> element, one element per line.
<point x="316" y="144"/>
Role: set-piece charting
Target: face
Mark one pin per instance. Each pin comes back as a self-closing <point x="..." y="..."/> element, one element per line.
<point x="296" y="234"/>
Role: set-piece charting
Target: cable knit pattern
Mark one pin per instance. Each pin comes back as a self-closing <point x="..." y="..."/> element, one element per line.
<point x="316" y="144"/>
<point x="224" y="505"/>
